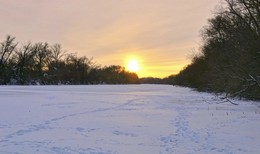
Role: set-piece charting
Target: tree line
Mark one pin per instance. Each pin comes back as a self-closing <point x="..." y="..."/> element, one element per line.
<point x="41" y="63"/>
<point x="229" y="61"/>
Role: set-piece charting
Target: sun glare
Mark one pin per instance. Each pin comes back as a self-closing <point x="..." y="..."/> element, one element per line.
<point x="133" y="65"/>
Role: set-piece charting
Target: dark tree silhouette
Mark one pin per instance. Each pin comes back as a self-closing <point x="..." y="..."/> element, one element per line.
<point x="41" y="63"/>
<point x="230" y="59"/>
<point x="7" y="47"/>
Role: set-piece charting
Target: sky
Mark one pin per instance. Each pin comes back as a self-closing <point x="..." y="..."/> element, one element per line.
<point x="160" y="35"/>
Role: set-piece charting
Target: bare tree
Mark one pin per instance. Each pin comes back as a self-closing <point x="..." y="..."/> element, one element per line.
<point x="230" y="57"/>
<point x="7" y="47"/>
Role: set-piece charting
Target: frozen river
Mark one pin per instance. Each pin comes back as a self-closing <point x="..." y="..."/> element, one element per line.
<point x="124" y="119"/>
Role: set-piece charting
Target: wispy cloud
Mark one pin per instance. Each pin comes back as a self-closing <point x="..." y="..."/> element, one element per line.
<point x="160" y="32"/>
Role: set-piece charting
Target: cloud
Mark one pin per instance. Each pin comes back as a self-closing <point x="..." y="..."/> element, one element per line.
<point x="112" y="30"/>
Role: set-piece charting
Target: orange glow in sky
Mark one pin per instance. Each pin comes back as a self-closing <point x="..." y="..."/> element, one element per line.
<point x="159" y="34"/>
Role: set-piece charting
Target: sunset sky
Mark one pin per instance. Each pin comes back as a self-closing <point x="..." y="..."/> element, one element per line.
<point x="159" y="34"/>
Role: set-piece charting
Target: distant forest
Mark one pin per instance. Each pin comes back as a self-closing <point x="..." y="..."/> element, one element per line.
<point x="41" y="63"/>
<point x="44" y="64"/>
<point x="229" y="61"/>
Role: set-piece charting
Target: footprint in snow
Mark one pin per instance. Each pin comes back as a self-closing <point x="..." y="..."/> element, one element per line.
<point x="124" y="134"/>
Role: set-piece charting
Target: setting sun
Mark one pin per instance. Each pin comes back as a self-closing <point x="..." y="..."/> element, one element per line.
<point x="133" y="66"/>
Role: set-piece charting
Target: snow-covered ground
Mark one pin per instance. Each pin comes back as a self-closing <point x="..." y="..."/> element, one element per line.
<point x="124" y="119"/>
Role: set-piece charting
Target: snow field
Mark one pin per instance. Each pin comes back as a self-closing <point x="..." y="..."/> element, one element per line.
<point x="111" y="119"/>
